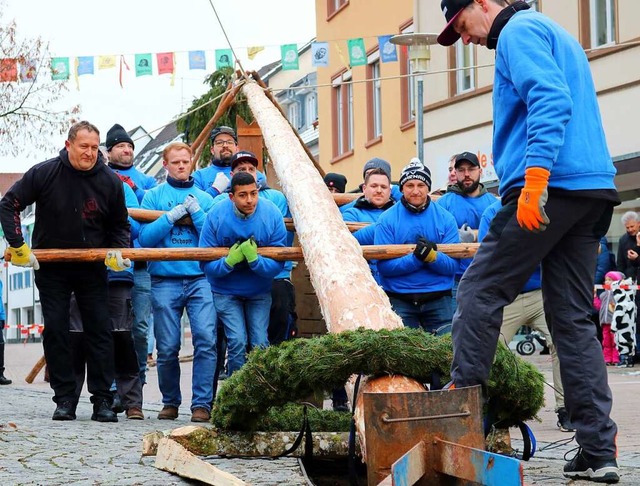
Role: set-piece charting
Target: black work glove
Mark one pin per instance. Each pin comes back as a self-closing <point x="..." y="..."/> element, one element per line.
<point x="425" y="251"/>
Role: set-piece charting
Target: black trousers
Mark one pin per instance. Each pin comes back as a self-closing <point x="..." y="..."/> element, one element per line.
<point x="283" y="308"/>
<point x="56" y="282"/>
<point x="505" y="260"/>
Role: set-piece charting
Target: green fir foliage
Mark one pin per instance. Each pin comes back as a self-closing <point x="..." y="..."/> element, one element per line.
<point x="289" y="418"/>
<point x="193" y="124"/>
<point x="299" y="368"/>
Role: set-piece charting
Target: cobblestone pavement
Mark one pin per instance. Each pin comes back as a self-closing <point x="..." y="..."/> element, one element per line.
<point x="35" y="450"/>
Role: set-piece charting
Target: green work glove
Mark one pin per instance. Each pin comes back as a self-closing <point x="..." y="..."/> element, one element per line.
<point x="234" y="256"/>
<point x="250" y="250"/>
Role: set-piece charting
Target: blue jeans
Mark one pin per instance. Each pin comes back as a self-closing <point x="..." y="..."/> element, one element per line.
<point x="246" y="320"/>
<point x="433" y="316"/>
<point x="169" y="297"/>
<point x="141" y="302"/>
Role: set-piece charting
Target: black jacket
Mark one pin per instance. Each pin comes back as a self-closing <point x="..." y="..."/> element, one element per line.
<point x="626" y="266"/>
<point x="74" y="209"/>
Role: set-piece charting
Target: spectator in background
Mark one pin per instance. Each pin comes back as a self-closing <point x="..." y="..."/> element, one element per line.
<point x="419" y="284"/>
<point x="337" y="183"/>
<point x="452" y="179"/>
<point x="606" y="262"/>
<point x="375" y="163"/>
<point x="627" y="261"/>
<point x="606" y="304"/>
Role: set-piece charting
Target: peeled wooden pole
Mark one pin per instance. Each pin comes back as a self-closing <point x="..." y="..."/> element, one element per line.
<point x="380" y="252"/>
<point x="150" y="215"/>
<point x="348" y="295"/>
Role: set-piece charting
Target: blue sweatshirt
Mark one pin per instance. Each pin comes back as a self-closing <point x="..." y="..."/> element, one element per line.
<point x="277" y="198"/>
<point x="534" y="282"/>
<point x="142" y="181"/>
<point x="545" y="110"/>
<point x="361" y="214"/>
<point x="203" y="178"/>
<point x="225" y="226"/>
<point x="407" y="274"/>
<point x="131" y="201"/>
<point x="162" y="234"/>
<point x="466" y="210"/>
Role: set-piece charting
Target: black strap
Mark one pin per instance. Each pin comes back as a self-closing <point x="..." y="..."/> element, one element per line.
<point x="305" y="432"/>
<point x="351" y="454"/>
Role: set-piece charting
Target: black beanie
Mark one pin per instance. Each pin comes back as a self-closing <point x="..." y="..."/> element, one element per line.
<point x="116" y="135"/>
<point x="415" y="170"/>
<point x="336" y="180"/>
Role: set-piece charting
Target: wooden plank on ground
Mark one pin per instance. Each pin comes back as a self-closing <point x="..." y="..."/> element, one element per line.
<point x="174" y="458"/>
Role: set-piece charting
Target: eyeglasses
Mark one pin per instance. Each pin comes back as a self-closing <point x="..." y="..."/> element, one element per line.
<point x="470" y="170"/>
<point x="222" y="143"/>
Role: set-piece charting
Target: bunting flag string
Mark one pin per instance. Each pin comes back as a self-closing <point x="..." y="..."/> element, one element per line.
<point x="13" y="70"/>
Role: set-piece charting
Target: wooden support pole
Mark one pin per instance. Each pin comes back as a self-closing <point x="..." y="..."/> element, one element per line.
<point x="380" y="252"/>
<point x="35" y="370"/>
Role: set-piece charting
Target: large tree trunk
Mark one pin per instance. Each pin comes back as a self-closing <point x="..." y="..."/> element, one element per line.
<point x="348" y="295"/>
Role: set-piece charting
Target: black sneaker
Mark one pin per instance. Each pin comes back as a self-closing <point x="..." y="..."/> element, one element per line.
<point x="583" y="466"/>
<point x="65" y="410"/>
<point x="102" y="411"/>
<point x="564" y="423"/>
<point x="4" y="380"/>
<point x="116" y="405"/>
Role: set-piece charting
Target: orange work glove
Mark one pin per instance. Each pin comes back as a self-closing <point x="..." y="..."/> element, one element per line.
<point x="531" y="215"/>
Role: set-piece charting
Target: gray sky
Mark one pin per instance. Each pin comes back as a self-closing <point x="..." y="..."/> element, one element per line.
<point x="98" y="27"/>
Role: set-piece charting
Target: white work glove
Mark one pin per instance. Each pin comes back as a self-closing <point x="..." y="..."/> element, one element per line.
<point x="466" y="234"/>
<point x="191" y="203"/>
<point x="115" y="262"/>
<point x="221" y="182"/>
<point x="176" y="213"/>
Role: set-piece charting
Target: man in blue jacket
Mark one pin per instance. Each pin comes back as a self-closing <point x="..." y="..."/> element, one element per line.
<point x="418" y="284"/>
<point x="241" y="282"/>
<point x="177" y="285"/>
<point x="3" y="380"/>
<point x="215" y="179"/>
<point x="120" y="148"/>
<point x="466" y="200"/>
<point x="558" y="193"/>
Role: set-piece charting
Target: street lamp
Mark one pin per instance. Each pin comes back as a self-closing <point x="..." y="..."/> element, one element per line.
<point x="419" y="55"/>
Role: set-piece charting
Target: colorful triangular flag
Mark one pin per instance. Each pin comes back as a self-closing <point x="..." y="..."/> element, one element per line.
<point x="357" y="52"/>
<point x="320" y="54"/>
<point x="252" y="52"/>
<point x="289" y="55"/>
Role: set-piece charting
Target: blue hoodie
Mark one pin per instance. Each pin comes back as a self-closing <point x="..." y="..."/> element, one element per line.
<point x="162" y="234"/>
<point x="277" y="198"/>
<point x="142" y="181"/>
<point x="534" y="282"/>
<point x="407" y="274"/>
<point x="225" y="226"/>
<point x="545" y="110"/>
<point x="131" y="201"/>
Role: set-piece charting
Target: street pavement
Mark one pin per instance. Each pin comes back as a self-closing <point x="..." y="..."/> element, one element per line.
<point x="35" y="450"/>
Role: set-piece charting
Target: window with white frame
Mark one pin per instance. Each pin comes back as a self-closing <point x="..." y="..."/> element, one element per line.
<point x="376" y="100"/>
<point x="465" y="67"/>
<point x="342" y="113"/>
<point x="603" y="26"/>
<point x="293" y="114"/>
<point x="311" y="107"/>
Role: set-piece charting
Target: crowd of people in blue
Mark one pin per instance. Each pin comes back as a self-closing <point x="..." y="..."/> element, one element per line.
<point x="542" y="246"/>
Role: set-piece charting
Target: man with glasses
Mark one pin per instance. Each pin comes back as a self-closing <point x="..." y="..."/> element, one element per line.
<point x="466" y="200"/>
<point x="215" y="179"/>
